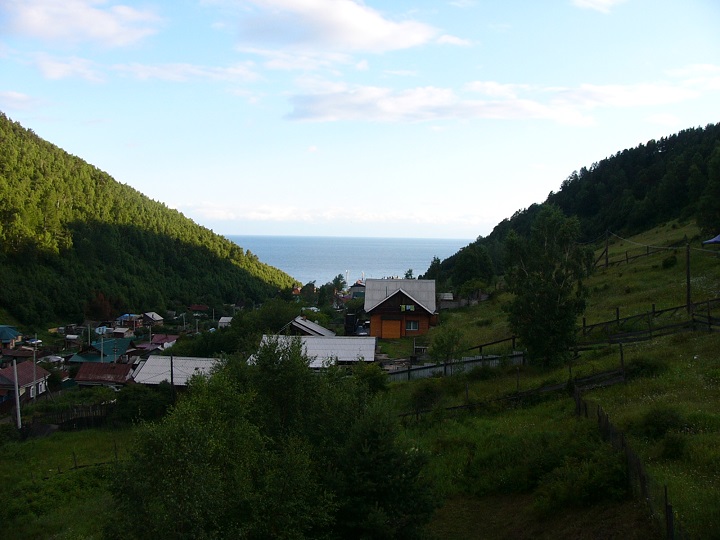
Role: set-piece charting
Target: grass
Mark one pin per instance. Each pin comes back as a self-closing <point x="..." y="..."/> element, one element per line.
<point x="46" y="496"/>
<point x="675" y="377"/>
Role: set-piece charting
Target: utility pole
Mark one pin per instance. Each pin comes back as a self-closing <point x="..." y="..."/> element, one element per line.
<point x="17" y="395"/>
<point x="34" y="386"/>
<point x="687" y="277"/>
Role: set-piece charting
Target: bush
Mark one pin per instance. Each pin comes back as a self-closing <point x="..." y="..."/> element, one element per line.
<point x="669" y="262"/>
<point x="582" y="482"/>
<point x="658" y="421"/>
<point x="645" y="367"/>
<point x="8" y="433"/>
<point x="426" y="394"/>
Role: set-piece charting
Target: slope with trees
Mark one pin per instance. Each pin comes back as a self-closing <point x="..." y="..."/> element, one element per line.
<point x="676" y="177"/>
<point x="74" y="243"/>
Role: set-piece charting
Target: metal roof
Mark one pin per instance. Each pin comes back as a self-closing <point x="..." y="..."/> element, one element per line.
<point x="156" y="369"/>
<point x="344" y="349"/>
<point x="25" y="374"/>
<point x="421" y="291"/>
<point x="310" y="328"/>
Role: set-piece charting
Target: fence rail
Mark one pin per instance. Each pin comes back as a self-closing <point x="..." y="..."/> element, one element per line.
<point x="641" y="483"/>
<point x="456" y="366"/>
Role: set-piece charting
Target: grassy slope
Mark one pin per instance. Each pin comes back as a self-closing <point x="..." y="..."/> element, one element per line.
<point x="681" y="372"/>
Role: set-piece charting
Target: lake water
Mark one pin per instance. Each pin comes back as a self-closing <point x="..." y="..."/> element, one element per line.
<point x="322" y="258"/>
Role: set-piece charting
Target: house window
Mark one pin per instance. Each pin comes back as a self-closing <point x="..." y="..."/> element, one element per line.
<point x="412" y="326"/>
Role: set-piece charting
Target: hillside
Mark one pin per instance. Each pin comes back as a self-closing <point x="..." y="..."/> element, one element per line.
<point x="676" y="177"/>
<point x="75" y="243"/>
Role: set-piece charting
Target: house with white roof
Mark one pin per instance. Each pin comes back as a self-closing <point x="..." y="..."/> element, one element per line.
<point x="173" y="369"/>
<point x="330" y="350"/>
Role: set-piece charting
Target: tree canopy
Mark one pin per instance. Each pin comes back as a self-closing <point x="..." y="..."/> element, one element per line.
<point x="75" y="243"/>
<point x="545" y="273"/>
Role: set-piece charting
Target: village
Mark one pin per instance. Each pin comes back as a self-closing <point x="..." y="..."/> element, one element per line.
<point x="138" y="348"/>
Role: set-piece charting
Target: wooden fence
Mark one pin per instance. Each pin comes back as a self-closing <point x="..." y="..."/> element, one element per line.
<point x="412" y="373"/>
<point x="641" y="484"/>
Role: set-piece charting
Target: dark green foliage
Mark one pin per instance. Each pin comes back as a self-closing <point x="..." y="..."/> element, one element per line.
<point x="658" y="421"/>
<point x="669" y="262"/>
<point x="8" y="433"/>
<point x="383" y="492"/>
<point x="138" y="402"/>
<point x="634" y="190"/>
<point x="273" y="450"/>
<point x="75" y="243"/>
<point x="645" y="367"/>
<point x="545" y="273"/>
<point x="426" y="394"/>
<point x="582" y="481"/>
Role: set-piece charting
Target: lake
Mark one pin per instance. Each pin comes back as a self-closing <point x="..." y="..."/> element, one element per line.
<point x="322" y="258"/>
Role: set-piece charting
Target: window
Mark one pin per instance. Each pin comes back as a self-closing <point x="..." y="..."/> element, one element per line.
<point x="412" y="326"/>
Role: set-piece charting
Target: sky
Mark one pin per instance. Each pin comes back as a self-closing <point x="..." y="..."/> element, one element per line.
<point x="425" y="119"/>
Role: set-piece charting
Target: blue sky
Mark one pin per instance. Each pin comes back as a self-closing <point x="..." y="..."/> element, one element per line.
<point x="348" y="118"/>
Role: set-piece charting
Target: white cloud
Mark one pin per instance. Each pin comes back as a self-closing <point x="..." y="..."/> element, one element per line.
<point x="603" y="6"/>
<point x="186" y="72"/>
<point x="499" y="101"/>
<point x="10" y="100"/>
<point x="54" y="68"/>
<point x="73" y="21"/>
<point x="340" y="25"/>
<point x="453" y="40"/>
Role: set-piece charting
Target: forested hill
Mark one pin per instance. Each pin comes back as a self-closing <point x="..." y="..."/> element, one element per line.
<point x="75" y="244"/>
<point x="676" y="177"/>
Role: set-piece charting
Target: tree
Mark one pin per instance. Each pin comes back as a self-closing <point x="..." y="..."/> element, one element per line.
<point x="409" y="274"/>
<point x="447" y="345"/>
<point x="545" y="273"/>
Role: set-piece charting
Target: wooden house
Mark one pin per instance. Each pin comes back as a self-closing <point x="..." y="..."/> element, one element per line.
<point x="400" y="307"/>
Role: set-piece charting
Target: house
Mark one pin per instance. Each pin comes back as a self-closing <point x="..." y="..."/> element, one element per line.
<point x="301" y="326"/>
<point x="105" y="351"/>
<point x="9" y="336"/>
<point x="173" y="369"/>
<point x="31" y="381"/>
<point x="128" y="320"/>
<point x="97" y="374"/>
<point x="123" y="332"/>
<point x="164" y="341"/>
<point x="224" y="322"/>
<point x="400" y="307"/>
<point x="324" y="350"/>
<point x="357" y="290"/>
<point x="152" y="319"/>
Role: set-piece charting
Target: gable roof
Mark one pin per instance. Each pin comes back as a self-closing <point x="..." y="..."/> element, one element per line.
<point x="104" y="350"/>
<point x="421" y="291"/>
<point x="344" y="349"/>
<point x="104" y="373"/>
<point x="24" y="374"/>
<point x="153" y="316"/>
<point x="8" y="333"/>
<point x="310" y="328"/>
<point x="156" y="369"/>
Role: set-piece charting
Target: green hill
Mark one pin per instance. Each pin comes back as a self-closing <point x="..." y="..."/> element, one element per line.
<point x="677" y="177"/>
<point x="75" y="243"/>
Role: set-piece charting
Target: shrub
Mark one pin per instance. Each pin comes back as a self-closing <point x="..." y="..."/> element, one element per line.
<point x="645" y="367"/>
<point x="8" y="433"/>
<point x="669" y="262"/>
<point x="660" y="420"/>
<point x="426" y="394"/>
<point x="583" y="481"/>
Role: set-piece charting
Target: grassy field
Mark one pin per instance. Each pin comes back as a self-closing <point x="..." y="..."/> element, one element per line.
<point x="56" y="487"/>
